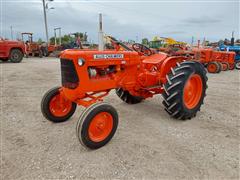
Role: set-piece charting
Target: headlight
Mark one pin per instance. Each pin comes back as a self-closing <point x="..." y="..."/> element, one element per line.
<point x="81" y="62"/>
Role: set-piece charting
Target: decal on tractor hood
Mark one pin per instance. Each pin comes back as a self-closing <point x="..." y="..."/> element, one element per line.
<point x="108" y="56"/>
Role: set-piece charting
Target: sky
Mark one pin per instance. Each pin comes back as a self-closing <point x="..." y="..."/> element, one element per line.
<point x="125" y="19"/>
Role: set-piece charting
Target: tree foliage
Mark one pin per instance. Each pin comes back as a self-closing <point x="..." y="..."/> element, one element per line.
<point x="69" y="38"/>
<point x="40" y="41"/>
<point x="145" y="41"/>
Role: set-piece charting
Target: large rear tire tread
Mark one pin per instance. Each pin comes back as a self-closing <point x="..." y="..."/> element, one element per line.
<point x="173" y="89"/>
<point x="127" y="97"/>
<point x="45" y="107"/>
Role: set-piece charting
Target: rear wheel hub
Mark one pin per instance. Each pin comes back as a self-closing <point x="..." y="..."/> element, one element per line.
<point x="192" y="91"/>
<point x="212" y="68"/>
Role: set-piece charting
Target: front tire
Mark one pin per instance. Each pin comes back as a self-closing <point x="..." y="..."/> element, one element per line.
<point x="55" y="108"/>
<point x="213" y="67"/>
<point x="97" y="125"/>
<point x="16" y="56"/>
<point x="185" y="90"/>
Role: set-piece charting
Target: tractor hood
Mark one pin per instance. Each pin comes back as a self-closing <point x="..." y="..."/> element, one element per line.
<point x="95" y="55"/>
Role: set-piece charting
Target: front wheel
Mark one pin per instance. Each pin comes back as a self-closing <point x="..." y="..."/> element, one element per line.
<point x="97" y="125"/>
<point x="55" y="108"/>
<point x="185" y="90"/>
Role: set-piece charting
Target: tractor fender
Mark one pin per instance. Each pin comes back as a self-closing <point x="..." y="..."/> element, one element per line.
<point x="166" y="66"/>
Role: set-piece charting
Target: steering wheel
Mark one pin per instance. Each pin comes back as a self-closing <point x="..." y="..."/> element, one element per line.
<point x="141" y="49"/>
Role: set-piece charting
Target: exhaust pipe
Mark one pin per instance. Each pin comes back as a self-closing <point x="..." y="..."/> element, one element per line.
<point x="100" y="35"/>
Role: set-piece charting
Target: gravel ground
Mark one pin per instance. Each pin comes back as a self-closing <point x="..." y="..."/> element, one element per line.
<point x="147" y="145"/>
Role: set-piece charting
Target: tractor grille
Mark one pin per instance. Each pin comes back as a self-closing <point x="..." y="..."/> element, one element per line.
<point x="69" y="74"/>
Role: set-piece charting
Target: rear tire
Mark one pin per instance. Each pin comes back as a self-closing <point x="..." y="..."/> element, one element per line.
<point x="225" y="66"/>
<point x="127" y="97"/>
<point x="53" y="110"/>
<point x="220" y="67"/>
<point x="40" y="54"/>
<point x="16" y="56"/>
<point x="97" y="125"/>
<point x="185" y="90"/>
<point x="45" y="51"/>
<point x="213" y="67"/>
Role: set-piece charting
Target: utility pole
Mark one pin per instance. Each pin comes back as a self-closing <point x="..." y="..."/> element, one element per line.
<point x="45" y="19"/>
<point x="136" y="39"/>
<point x="11" y="32"/>
<point x="45" y="8"/>
<point x="204" y="42"/>
<point x="55" y="37"/>
<point x="232" y="39"/>
<point x="192" y="41"/>
<point x="59" y="35"/>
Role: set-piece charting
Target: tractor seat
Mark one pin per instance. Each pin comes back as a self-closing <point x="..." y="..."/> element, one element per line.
<point x="155" y="58"/>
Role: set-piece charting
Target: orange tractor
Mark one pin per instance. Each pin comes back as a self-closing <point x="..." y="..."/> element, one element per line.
<point x="214" y="61"/>
<point x="136" y="74"/>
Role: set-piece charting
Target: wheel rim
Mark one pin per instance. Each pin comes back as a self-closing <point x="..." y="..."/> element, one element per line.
<point x="100" y="127"/>
<point x="192" y="91"/>
<point x="58" y="107"/>
<point x="15" y="56"/>
<point x="212" y="68"/>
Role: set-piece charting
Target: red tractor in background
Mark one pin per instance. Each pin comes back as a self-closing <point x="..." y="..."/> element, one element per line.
<point x="48" y="49"/>
<point x="32" y="48"/>
<point x="136" y="74"/>
<point x="214" y="61"/>
<point x="11" y="50"/>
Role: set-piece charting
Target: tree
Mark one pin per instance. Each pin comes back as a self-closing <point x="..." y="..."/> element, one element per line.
<point x="145" y="41"/>
<point x="69" y="38"/>
<point x="40" y="41"/>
